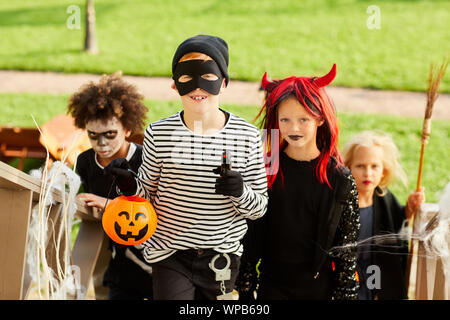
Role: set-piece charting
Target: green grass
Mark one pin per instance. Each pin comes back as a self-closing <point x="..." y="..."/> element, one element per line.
<point x="406" y="132"/>
<point x="282" y="37"/>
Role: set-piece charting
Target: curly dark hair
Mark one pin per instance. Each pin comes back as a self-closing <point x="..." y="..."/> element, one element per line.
<point x="110" y="97"/>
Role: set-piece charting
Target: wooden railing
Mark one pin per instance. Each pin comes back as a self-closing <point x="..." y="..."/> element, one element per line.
<point x="19" y="192"/>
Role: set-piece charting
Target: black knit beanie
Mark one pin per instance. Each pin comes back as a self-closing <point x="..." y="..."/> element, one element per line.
<point x="214" y="47"/>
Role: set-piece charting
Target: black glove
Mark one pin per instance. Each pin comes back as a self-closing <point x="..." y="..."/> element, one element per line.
<point x="230" y="183"/>
<point x="120" y="169"/>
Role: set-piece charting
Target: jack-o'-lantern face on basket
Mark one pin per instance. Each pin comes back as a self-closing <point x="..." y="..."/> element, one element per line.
<point x="129" y="220"/>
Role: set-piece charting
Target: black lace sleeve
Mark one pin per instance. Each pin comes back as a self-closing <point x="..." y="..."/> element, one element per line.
<point x="345" y="283"/>
<point x="247" y="280"/>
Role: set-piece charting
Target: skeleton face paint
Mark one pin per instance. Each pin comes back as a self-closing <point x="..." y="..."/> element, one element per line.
<point x="192" y="74"/>
<point x="106" y="137"/>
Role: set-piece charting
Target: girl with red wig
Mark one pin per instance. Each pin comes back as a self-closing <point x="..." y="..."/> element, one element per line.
<point x="313" y="203"/>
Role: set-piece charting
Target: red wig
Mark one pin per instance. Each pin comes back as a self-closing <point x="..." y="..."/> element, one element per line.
<point x="311" y="95"/>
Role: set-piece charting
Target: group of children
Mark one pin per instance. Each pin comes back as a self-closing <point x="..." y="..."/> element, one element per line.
<point x="265" y="225"/>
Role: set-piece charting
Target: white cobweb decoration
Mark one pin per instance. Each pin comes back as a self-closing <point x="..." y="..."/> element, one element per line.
<point x="47" y="228"/>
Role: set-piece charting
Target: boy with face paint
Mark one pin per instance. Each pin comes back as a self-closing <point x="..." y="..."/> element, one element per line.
<point x="111" y="111"/>
<point x="202" y="208"/>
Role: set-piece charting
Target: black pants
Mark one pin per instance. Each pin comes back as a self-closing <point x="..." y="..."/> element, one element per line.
<point x="186" y="275"/>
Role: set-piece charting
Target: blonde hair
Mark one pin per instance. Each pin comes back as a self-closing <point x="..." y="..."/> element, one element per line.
<point x="195" y="56"/>
<point x="392" y="170"/>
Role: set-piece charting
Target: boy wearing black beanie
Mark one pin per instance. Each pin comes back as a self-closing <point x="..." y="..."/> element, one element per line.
<point x="203" y="171"/>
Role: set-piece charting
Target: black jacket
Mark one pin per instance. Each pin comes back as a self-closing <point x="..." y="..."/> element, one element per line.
<point x="392" y="253"/>
<point x="338" y="226"/>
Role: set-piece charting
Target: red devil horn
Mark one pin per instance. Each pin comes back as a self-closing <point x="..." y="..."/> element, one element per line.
<point x="326" y="79"/>
<point x="264" y="81"/>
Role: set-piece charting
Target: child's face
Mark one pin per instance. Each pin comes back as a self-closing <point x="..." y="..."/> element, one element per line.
<point x="297" y="126"/>
<point x="367" y="168"/>
<point x="106" y="137"/>
<point x="199" y="100"/>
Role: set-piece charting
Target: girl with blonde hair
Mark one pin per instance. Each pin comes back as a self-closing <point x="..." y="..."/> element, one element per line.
<point x="374" y="161"/>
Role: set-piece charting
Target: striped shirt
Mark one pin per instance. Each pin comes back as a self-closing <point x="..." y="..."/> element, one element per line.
<point x="177" y="177"/>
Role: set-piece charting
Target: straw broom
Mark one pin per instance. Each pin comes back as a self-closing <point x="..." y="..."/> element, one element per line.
<point x="432" y="95"/>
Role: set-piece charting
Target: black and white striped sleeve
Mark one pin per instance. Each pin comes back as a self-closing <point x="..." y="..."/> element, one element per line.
<point x="252" y="204"/>
<point x="150" y="169"/>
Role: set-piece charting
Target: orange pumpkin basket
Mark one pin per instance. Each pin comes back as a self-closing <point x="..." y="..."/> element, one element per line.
<point x="129" y="220"/>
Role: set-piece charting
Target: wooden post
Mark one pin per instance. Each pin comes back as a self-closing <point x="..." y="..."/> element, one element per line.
<point x="441" y="289"/>
<point x="430" y="282"/>
<point x="15" y="208"/>
<point x="86" y="251"/>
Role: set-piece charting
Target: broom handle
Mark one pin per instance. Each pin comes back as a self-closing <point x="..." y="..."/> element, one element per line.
<point x="413" y="218"/>
<point x="419" y="176"/>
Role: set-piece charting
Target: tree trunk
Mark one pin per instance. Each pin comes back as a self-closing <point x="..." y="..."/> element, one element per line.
<point x="90" y="40"/>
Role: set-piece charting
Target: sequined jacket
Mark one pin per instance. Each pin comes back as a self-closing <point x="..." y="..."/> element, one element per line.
<point x="337" y="238"/>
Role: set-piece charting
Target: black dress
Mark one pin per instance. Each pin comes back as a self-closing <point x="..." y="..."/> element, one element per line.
<point x="304" y="220"/>
<point x="389" y="254"/>
<point x="122" y="275"/>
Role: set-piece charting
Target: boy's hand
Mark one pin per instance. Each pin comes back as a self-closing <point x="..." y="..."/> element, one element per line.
<point x="231" y="184"/>
<point x="414" y="201"/>
<point x="125" y="180"/>
<point x="92" y="200"/>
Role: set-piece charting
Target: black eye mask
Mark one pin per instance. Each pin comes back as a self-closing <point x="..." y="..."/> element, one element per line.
<point x="195" y="69"/>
